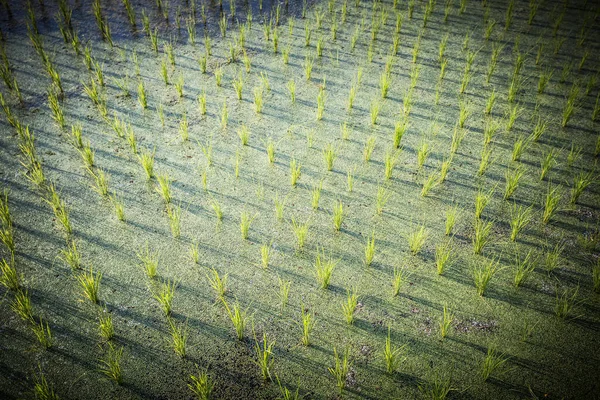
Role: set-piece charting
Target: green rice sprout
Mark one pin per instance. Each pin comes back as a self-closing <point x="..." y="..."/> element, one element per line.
<point x="164" y="296"/>
<point x="174" y="215"/>
<point x="399" y="131"/>
<point x="264" y="355"/>
<point x="149" y="260"/>
<point x="444" y="168"/>
<point x="110" y="365"/>
<point x="552" y="199"/>
<point x="179" y="86"/>
<point x="524" y="267"/>
<point x="349" y="307"/>
<point x="375" y="109"/>
<point x="42" y="389"/>
<point x="441" y="385"/>
<point x="566" y="301"/>
<point x="238" y="318"/>
<point x="443" y="252"/>
<point x="43" y="333"/>
<point x="300" y="231"/>
<point x="265" y="254"/>
<point x="491" y="100"/>
<point x="316" y="195"/>
<point x="369" y="147"/>
<point x="164" y="187"/>
<point x="519" y="147"/>
<point x="422" y="154"/>
<point x="338" y="215"/>
<point x="544" y="78"/>
<point x="547" y="162"/>
<point x="340" y="368"/>
<point x="580" y="182"/>
<point x="481" y="201"/>
<point x="295" y="173"/>
<point x="291" y="87"/>
<point x="392" y="357"/>
<point x="482" y="275"/>
<point x="308" y="323"/>
<point x="71" y="255"/>
<point x="400" y="277"/>
<point x="446" y="321"/>
<point x="218" y="76"/>
<point x="201" y="385"/>
<point x="245" y="221"/>
<point x="385" y="80"/>
<point x="164" y="70"/>
<point x="320" y="103"/>
<point x="381" y="200"/>
<point x="570" y="105"/>
<point x="520" y="217"/>
<point x="370" y="250"/>
<point x="390" y="161"/>
<point x="596" y="277"/>
<point x="106" y="327"/>
<point x="493" y="359"/>
<point x="481" y="235"/>
<point x="329" y="156"/>
<point x="21" y="305"/>
<point x="179" y="336"/>
<point x="146" y="160"/>
<point x="244" y="134"/>
<point x="324" y="269"/>
<point x="218" y="284"/>
<point x="431" y="181"/>
<point x="451" y="215"/>
<point x="416" y="239"/>
<point x="308" y="65"/>
<point x="574" y="155"/>
<point x="512" y="178"/>
<point x="539" y="129"/>
<point x="90" y="283"/>
<point x="56" y="108"/>
<point x="553" y="257"/>
<point x="217" y="209"/>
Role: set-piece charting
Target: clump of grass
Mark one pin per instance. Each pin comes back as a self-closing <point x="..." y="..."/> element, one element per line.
<point x="551" y="203"/>
<point x="482" y="275"/>
<point x="110" y="365"/>
<point x="381" y="200"/>
<point x="481" y="235"/>
<point x="301" y="232"/>
<point x="10" y="277"/>
<point x="399" y="131"/>
<point x="179" y="336"/>
<point x="21" y="305"/>
<point x="42" y="389"/>
<point x="553" y="256"/>
<point x="580" y="182"/>
<point x="400" y="277"/>
<point x="149" y="261"/>
<point x="71" y="255"/>
<point x="349" y="307"/>
<point x="519" y="147"/>
<point x="481" y="201"/>
<point x="368" y="149"/>
<point x="441" y="385"/>
<point x="520" y="217"/>
<point x="201" y="385"/>
<point x="451" y="214"/>
<point x="174" y="215"/>
<point x="392" y="357"/>
<point x="164" y="295"/>
<point x="338" y="215"/>
<point x="596" y="277"/>
<point x="324" y="269"/>
<point x="492" y="361"/>
<point x="218" y="284"/>
<point x="340" y="369"/>
<point x="443" y="253"/>
<point x="432" y="180"/>
<point x="524" y="267"/>
<point x="238" y="318"/>
<point x="294" y="172"/>
<point x="390" y="161"/>
<point x="43" y="333"/>
<point x="570" y="105"/>
<point x="264" y="355"/>
<point x="90" y="283"/>
<point x="416" y="239"/>
<point x="547" y="162"/>
<point x="446" y="322"/>
<point x="106" y="327"/>
<point x="370" y="250"/>
<point x="146" y="159"/>
<point x="512" y="178"/>
<point x="245" y="221"/>
<point x="565" y="302"/>
<point x="308" y="323"/>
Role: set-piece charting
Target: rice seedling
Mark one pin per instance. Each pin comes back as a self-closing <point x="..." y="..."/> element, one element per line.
<point x="596" y="277"/>
<point x="338" y="215"/>
<point x="393" y="357"/>
<point x="482" y="275"/>
<point x="547" y="162"/>
<point x="324" y="269"/>
<point x="486" y="160"/>
<point x="21" y="305"/>
<point x="422" y="154"/>
<point x="146" y="160"/>
<point x="43" y="333"/>
<point x="238" y="318"/>
<point x="244" y="134"/>
<point x="464" y="113"/>
<point x="71" y="255"/>
<point x="369" y="147"/>
<point x="551" y="201"/>
<point x="451" y="215"/>
<point x="571" y="105"/>
<point x="496" y="50"/>
<point x="106" y="327"/>
<point x="385" y="80"/>
<point x="100" y="182"/>
<point x="415" y="71"/>
<point x="416" y="239"/>
<point x="574" y="155"/>
<point x="308" y="65"/>
<point x="350" y="179"/>
<point x="90" y="283"/>
<point x="446" y="322"/>
<point x="110" y="365"/>
<point x="545" y="77"/>
<point x="441" y="385"/>
<point x="375" y="109"/>
<point x="264" y="355"/>
<point x="42" y="389"/>
<point x="179" y="86"/>
<point x="201" y="385"/>
<point x="493" y="359"/>
<point x="553" y="256"/>
<point x="164" y="187"/>
<point x="443" y="253"/>
<point x="349" y="307"/>
<point x="580" y="182"/>
<point x="9" y="278"/>
<point x="431" y="181"/>
<point x="512" y="178"/>
<point x="142" y="99"/>
<point x="179" y="336"/>
<point x="164" y="296"/>
<point x="481" y="235"/>
<point x="174" y="215"/>
<point x="341" y="366"/>
<point x="56" y="108"/>
<point x="524" y="267"/>
<point x="520" y="217"/>
<point x="245" y="221"/>
<point x="566" y="302"/>
<point x="202" y="103"/>
<point x="595" y="113"/>
<point x="295" y="172"/>
<point x="216" y="206"/>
